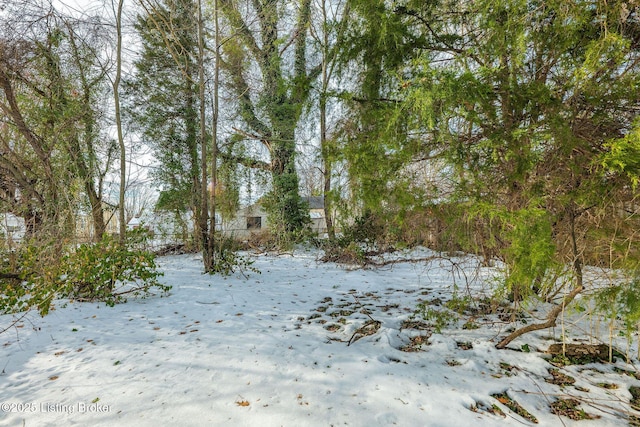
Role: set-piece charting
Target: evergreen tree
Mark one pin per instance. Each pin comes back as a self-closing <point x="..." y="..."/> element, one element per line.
<point x="378" y="142"/>
<point x="163" y="101"/>
<point x="526" y="101"/>
<point x="525" y="97"/>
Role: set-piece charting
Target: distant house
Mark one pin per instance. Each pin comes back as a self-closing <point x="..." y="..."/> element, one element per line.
<point x="12" y="227"/>
<point x="85" y="231"/>
<point x="134" y="223"/>
<point x="248" y="220"/>
<point x="253" y="219"/>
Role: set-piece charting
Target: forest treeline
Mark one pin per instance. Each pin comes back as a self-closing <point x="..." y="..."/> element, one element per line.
<point x="507" y="128"/>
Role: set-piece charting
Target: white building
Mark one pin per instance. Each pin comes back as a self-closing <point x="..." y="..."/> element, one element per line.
<point x="254" y="219"/>
<point x="12" y="227"/>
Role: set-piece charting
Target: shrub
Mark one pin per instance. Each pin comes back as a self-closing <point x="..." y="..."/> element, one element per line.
<point x="620" y="305"/>
<point x="367" y="236"/>
<point x="227" y="260"/>
<point x="438" y="318"/>
<point x="344" y="253"/>
<point x="31" y="281"/>
<point x="105" y="271"/>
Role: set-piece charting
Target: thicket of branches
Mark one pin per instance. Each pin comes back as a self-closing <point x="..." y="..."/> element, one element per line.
<point x="506" y="128"/>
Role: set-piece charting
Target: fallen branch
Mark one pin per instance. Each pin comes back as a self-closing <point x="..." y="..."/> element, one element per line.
<point x="399" y="261"/>
<point x="345" y="258"/>
<point x="15" y="322"/>
<point x="11" y="276"/>
<point x="370" y="327"/>
<point x="552" y="318"/>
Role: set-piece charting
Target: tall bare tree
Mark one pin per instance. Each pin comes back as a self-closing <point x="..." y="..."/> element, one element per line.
<point x="118" y="116"/>
<point x="331" y="23"/>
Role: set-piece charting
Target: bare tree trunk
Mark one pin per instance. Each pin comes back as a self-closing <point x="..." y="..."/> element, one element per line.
<point x="328" y="65"/>
<point x="207" y="255"/>
<point x="116" y="98"/>
<point x="326" y="156"/>
<point x="214" y="136"/>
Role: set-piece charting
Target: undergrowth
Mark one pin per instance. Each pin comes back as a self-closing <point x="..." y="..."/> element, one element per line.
<point x="106" y="271"/>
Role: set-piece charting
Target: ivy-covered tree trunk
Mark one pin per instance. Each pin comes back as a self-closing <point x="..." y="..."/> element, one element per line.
<point x="284" y="203"/>
<point x="277" y="47"/>
<point x="194" y="183"/>
<point x="96" y="207"/>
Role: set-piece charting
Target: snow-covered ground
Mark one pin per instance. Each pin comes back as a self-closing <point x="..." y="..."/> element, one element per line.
<point x="285" y="348"/>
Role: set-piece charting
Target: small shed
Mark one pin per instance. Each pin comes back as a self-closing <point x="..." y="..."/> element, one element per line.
<point x="316" y="213"/>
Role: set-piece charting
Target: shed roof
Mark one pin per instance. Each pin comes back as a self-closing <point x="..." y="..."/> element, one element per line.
<point x="315" y="202"/>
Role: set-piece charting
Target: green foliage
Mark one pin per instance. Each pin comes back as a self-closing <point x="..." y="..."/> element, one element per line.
<point x="367" y="229"/>
<point x="272" y="106"/>
<point x="621" y="302"/>
<point x="366" y="235"/>
<point x="103" y="271"/>
<point x="531" y="251"/>
<point x="458" y="304"/>
<point x="524" y="240"/>
<point x="172" y="200"/>
<point x="228" y="197"/>
<point x="623" y="155"/>
<point x="522" y="113"/>
<point x="288" y="214"/>
<point x="37" y="266"/>
<point x="107" y="271"/>
<point x="438" y="318"/>
<point x="341" y="252"/>
<point x="162" y="100"/>
<point x="227" y="260"/>
<point x="375" y="141"/>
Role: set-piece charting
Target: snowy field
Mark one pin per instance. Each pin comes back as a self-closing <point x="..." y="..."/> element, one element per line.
<point x="301" y="344"/>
